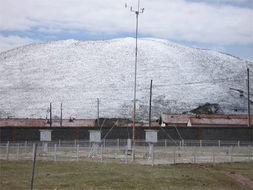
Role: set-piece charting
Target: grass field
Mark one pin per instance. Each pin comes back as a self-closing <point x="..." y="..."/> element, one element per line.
<point x="90" y="175"/>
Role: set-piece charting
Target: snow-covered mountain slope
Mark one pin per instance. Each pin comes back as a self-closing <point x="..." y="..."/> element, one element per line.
<point x="76" y="73"/>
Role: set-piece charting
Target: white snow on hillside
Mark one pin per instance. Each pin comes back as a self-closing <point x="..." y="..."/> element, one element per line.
<point x="76" y="73"/>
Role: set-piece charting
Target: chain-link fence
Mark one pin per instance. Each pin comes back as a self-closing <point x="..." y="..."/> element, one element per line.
<point x="125" y="151"/>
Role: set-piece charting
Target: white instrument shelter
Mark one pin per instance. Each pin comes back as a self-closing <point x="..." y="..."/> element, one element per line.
<point x="45" y="135"/>
<point x="151" y="136"/>
<point x="95" y="136"/>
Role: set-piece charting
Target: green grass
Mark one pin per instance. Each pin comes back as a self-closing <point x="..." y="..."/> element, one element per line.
<point x="89" y="175"/>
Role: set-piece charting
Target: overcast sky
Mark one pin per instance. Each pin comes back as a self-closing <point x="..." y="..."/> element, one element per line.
<point x="222" y="25"/>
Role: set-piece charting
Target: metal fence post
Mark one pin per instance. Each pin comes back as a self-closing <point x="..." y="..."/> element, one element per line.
<point x="101" y="152"/>
<point x="7" y="150"/>
<point x="45" y="147"/>
<point x="18" y="151"/>
<point x="104" y="142"/>
<point x="25" y="146"/>
<point x="33" y="154"/>
<point x="152" y="154"/>
<point x="133" y="151"/>
<point x="174" y="156"/>
<point x="213" y="157"/>
<point x="231" y="154"/>
<point x="249" y="158"/>
<point x="190" y="151"/>
<point x="194" y="156"/>
<point x="55" y="153"/>
<point x="165" y="144"/>
<point x="238" y="143"/>
<point x="118" y="145"/>
<point x="126" y="155"/>
<point x="77" y="152"/>
<point x="219" y="143"/>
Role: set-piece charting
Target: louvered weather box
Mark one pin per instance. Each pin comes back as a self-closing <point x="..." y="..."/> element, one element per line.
<point x="95" y="136"/>
<point x="151" y="136"/>
<point x="45" y="135"/>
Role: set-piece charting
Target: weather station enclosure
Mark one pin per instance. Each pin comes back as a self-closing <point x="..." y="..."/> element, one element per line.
<point x="95" y="136"/>
<point x="151" y="136"/>
<point x="129" y="144"/>
<point x="95" y="139"/>
<point x="45" y="135"/>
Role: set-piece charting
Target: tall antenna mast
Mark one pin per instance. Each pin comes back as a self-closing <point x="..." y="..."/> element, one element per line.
<point x="136" y="12"/>
<point x="248" y="85"/>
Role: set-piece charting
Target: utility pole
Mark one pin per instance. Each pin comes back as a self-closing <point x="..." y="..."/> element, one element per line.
<point x="248" y="97"/>
<point x="150" y="100"/>
<point x="50" y="115"/>
<point x="61" y="116"/>
<point x="136" y="12"/>
<point x="98" y="112"/>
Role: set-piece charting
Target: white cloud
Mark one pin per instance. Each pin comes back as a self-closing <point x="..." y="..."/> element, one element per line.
<point x="174" y="19"/>
<point x="11" y="42"/>
<point x="201" y="22"/>
<point x="232" y="1"/>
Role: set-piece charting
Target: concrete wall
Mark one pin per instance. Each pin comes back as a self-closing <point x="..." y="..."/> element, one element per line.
<point x="71" y="133"/>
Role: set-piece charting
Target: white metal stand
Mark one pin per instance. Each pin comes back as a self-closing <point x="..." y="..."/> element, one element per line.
<point x="151" y="153"/>
<point x="94" y="151"/>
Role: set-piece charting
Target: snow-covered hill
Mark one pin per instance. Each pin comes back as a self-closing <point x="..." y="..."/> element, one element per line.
<point x="76" y="73"/>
